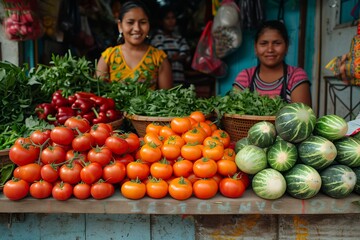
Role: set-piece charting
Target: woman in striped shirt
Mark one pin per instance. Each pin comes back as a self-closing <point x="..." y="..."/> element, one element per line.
<point x="273" y="76"/>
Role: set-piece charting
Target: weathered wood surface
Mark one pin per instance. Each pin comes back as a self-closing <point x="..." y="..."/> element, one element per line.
<point x="282" y="227"/>
<point x="248" y="204"/>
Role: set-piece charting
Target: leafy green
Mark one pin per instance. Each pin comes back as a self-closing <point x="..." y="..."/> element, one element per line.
<point x="18" y="95"/>
<point x="69" y="74"/>
<point x="248" y="103"/>
<point x="6" y="173"/>
<point x="177" y="101"/>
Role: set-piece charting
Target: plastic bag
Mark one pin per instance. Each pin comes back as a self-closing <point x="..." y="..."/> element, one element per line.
<point x="204" y="59"/>
<point x="347" y="66"/>
<point x="21" y="23"/>
<point x="226" y="29"/>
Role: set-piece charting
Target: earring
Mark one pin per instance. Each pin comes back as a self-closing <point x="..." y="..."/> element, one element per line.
<point x="120" y="35"/>
<point x="147" y="36"/>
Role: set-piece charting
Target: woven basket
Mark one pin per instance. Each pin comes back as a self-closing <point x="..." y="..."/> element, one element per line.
<point x="237" y="126"/>
<point x="117" y="124"/>
<point x="4" y="160"/>
<point x="140" y="122"/>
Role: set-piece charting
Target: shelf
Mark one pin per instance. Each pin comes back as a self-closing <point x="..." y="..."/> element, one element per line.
<point x="249" y="203"/>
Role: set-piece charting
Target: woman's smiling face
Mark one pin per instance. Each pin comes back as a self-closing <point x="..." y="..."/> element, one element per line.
<point x="271" y="48"/>
<point x="135" y="26"/>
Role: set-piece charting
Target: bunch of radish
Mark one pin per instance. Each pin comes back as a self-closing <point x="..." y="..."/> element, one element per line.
<point x="22" y="25"/>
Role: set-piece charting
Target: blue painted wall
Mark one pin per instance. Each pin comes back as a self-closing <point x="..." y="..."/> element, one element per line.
<point x="244" y="57"/>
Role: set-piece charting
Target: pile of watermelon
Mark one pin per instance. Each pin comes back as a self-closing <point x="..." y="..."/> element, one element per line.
<point x="301" y="155"/>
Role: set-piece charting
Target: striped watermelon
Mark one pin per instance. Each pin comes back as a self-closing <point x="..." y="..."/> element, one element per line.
<point x="331" y="127"/>
<point x="269" y="184"/>
<point x="357" y="185"/>
<point x="295" y="122"/>
<point x="302" y="181"/>
<point x="240" y="144"/>
<point x="357" y="136"/>
<point x="282" y="155"/>
<point x="251" y="159"/>
<point x="317" y="152"/>
<point x="262" y="134"/>
<point x="338" y="181"/>
<point x="348" y="151"/>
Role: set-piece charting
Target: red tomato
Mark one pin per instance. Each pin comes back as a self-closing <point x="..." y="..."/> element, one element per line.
<point x="124" y="158"/>
<point x="161" y="169"/>
<point x="39" y="137"/>
<point x="53" y="154"/>
<point x="117" y="144"/>
<point x="226" y="167"/>
<point x="100" y="132"/>
<point x="22" y="154"/>
<point x="170" y="151"/>
<point x="101" y="155"/>
<point x="75" y="156"/>
<point x="180" y="124"/>
<point x="134" y="189"/>
<point x="138" y="170"/>
<point x="70" y="173"/>
<point x="133" y="141"/>
<point x="101" y="190"/>
<point x="180" y="188"/>
<point x="30" y="172"/>
<point x="205" y="188"/>
<point x="183" y="168"/>
<point x="82" y="191"/>
<point x="205" y="168"/>
<point x="78" y="123"/>
<point x="49" y="173"/>
<point x="114" y="172"/>
<point x="62" y="135"/>
<point x="150" y="153"/>
<point x="244" y="177"/>
<point x="91" y="173"/>
<point x="62" y="191"/>
<point x="223" y="136"/>
<point x="16" y="189"/>
<point x="157" y="188"/>
<point x="41" y="189"/>
<point x="83" y="142"/>
<point x="16" y="172"/>
<point x="232" y="187"/>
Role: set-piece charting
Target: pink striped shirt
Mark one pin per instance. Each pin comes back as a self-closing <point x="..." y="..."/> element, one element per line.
<point x="296" y="76"/>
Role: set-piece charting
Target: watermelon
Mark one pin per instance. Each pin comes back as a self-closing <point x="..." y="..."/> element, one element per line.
<point x="338" y="181"/>
<point x="317" y="152"/>
<point x="357" y="135"/>
<point x="348" y="151"/>
<point x="331" y="127"/>
<point x="269" y="184"/>
<point x="295" y="122"/>
<point x="302" y="181"/>
<point x="241" y="143"/>
<point x="251" y="159"/>
<point x="357" y="185"/>
<point x="262" y="134"/>
<point x="282" y="155"/>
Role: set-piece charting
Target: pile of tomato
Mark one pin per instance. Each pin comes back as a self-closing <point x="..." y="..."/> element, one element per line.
<point x="189" y="157"/>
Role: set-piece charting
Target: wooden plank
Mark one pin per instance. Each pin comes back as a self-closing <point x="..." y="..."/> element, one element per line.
<point x="234" y="227"/>
<point x="248" y="204"/>
<point x="44" y="226"/>
<point x="172" y="227"/>
<point x="115" y="226"/>
<point x="320" y="227"/>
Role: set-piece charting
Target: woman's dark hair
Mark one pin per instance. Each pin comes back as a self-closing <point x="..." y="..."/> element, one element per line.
<point x="126" y="7"/>
<point x="274" y="25"/>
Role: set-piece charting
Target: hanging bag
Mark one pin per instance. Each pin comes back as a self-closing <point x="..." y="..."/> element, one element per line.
<point x="204" y="59"/>
<point x="226" y="29"/>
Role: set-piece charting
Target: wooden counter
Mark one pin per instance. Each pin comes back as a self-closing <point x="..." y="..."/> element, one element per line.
<point x="248" y="204"/>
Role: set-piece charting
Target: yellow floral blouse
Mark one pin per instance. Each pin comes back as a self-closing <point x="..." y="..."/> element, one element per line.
<point x="148" y="67"/>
